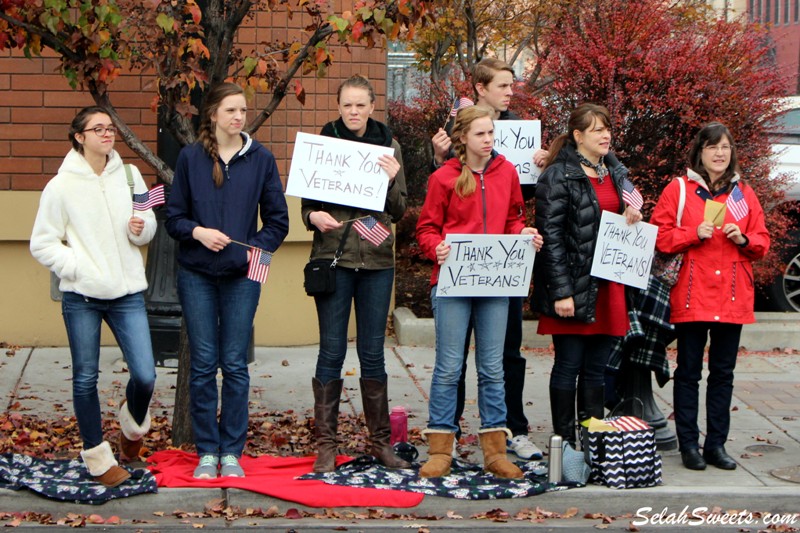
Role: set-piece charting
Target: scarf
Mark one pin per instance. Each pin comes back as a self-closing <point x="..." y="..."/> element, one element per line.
<point x="599" y="168"/>
<point x="377" y="133"/>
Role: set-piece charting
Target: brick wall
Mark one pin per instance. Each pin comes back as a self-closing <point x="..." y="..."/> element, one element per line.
<point x="37" y="105"/>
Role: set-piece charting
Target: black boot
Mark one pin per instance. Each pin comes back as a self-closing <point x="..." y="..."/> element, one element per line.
<point x="562" y="409"/>
<point x="375" y="398"/>
<point x="326" y="422"/>
<point x="591" y="403"/>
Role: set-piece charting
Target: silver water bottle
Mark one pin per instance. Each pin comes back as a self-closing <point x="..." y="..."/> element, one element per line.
<point x="554" y="467"/>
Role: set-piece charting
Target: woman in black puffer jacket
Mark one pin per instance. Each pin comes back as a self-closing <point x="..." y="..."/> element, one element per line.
<point x="584" y="314"/>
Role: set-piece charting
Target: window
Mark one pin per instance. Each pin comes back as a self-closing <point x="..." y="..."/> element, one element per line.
<point x="757" y="16"/>
<point x="768" y="10"/>
<point x="751" y="6"/>
<point x="777" y="17"/>
<point x="796" y="11"/>
<point x="786" y="12"/>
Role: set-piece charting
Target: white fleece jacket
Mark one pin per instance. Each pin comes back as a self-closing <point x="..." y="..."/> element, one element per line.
<point x="101" y="257"/>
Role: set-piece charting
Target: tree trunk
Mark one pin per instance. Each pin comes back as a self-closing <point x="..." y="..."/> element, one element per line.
<point x="181" y="419"/>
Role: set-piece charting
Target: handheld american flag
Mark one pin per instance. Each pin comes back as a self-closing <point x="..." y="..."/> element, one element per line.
<point x="631" y="195"/>
<point x="259" y="265"/>
<point x="736" y="203"/>
<point x="371" y="229"/>
<point x="460" y="103"/>
<point x="148" y="199"/>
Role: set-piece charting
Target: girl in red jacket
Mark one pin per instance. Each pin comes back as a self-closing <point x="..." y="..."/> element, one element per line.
<point x="714" y="292"/>
<point x="477" y="191"/>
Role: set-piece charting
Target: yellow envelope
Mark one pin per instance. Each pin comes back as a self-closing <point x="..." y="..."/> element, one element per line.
<point x="596" y="425"/>
<point x="715" y="212"/>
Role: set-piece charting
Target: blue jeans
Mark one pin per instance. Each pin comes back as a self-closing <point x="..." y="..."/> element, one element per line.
<point x="452" y="318"/>
<point x="127" y="318"/>
<point x="722" y="353"/>
<point x="219" y="314"/>
<point x="584" y="355"/>
<point x="371" y="290"/>
<point x="514" y="365"/>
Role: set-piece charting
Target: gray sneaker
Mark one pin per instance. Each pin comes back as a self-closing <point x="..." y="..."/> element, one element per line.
<point x="207" y="467"/>
<point x="230" y="466"/>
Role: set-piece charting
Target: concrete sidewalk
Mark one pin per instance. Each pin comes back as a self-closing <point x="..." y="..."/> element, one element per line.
<point x="765" y="433"/>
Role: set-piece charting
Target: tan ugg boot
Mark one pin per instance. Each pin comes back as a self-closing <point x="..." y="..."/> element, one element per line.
<point x="103" y="467"/>
<point x="493" y="444"/>
<point x="131" y="434"/>
<point x="440" y="448"/>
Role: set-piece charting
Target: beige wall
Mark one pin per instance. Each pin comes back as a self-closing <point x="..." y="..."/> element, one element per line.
<point x="29" y="317"/>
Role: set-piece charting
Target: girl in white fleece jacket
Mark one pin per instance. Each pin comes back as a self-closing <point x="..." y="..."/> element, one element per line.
<point x="87" y="232"/>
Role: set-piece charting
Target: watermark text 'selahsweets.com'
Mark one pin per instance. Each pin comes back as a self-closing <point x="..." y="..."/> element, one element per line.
<point x="700" y="516"/>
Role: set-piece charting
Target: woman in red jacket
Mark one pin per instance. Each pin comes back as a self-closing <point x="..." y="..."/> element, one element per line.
<point x="475" y="192"/>
<point x="714" y="292"/>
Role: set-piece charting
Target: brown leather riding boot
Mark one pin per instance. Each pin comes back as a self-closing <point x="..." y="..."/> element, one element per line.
<point x="375" y="399"/>
<point x="493" y="444"/>
<point x="440" y="448"/>
<point x="326" y="422"/>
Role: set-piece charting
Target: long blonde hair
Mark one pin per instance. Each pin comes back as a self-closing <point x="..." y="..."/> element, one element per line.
<point x="207" y="134"/>
<point x="465" y="184"/>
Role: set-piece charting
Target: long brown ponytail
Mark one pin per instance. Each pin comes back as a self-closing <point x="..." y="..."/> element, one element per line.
<point x="207" y="131"/>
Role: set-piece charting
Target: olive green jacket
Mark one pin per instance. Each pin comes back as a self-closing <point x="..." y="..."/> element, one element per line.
<point x="359" y="252"/>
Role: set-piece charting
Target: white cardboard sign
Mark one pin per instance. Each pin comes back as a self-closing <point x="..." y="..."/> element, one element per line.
<point x="338" y="171"/>
<point x="624" y="253"/>
<point x="518" y="140"/>
<point x="487" y="265"/>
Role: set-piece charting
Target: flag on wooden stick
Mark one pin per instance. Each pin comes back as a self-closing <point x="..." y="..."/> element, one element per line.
<point x="259" y="265"/>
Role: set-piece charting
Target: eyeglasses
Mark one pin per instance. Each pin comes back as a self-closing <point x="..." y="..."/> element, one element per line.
<point x="718" y="148"/>
<point x="100" y="131"/>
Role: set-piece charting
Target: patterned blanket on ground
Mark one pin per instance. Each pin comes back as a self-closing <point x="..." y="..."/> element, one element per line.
<point x="67" y="480"/>
<point x="465" y="482"/>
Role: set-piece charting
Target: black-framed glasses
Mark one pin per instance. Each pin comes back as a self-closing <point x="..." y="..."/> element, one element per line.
<point x="100" y="131"/>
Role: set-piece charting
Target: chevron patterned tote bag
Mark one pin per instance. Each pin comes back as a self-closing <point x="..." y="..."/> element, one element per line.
<point x="623" y="454"/>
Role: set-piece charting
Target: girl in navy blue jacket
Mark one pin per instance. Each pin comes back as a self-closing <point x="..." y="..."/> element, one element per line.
<point x="222" y="184"/>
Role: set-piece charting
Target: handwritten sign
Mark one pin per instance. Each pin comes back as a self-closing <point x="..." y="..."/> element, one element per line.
<point x="518" y="140"/>
<point x="624" y="253"/>
<point x="487" y="265"/>
<point x="338" y="171"/>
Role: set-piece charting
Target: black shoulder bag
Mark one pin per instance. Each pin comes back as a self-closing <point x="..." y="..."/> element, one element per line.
<point x="320" y="274"/>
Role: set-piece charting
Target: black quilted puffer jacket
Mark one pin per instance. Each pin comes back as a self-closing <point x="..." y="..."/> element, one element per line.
<point x="568" y="217"/>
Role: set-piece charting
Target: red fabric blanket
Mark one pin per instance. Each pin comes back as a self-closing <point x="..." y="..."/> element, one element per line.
<point x="275" y="476"/>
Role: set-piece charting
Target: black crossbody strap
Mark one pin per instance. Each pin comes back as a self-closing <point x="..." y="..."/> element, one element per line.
<point x="340" y="249"/>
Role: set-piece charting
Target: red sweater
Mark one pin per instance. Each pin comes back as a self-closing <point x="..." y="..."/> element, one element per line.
<point x="496" y="206"/>
<point x="716" y="279"/>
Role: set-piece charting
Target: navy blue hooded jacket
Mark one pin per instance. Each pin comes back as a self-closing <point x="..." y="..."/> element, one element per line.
<point x="251" y="184"/>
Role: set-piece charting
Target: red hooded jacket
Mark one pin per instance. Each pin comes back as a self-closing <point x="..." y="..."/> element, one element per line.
<point x="496" y="206"/>
<point x="716" y="279"/>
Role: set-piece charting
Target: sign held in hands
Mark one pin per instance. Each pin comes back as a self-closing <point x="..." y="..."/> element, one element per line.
<point x="338" y="171"/>
<point x="624" y="253"/>
<point x="518" y="140"/>
<point x="487" y="265"/>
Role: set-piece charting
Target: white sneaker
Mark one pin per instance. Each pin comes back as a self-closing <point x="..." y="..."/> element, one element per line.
<point x="523" y="448"/>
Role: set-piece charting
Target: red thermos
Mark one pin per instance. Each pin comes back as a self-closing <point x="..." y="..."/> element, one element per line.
<point x="398" y="419"/>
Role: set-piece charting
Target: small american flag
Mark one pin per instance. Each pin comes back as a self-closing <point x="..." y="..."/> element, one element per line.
<point x="371" y="229"/>
<point x="460" y="103"/>
<point x="148" y="199"/>
<point x="736" y="203"/>
<point x="631" y="195"/>
<point x="259" y="265"/>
